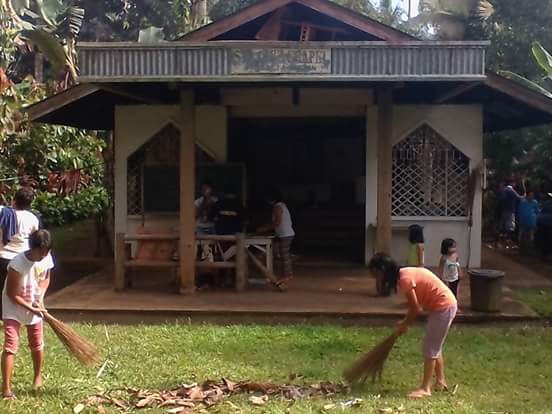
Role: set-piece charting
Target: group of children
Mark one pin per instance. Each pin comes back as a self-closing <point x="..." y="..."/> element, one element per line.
<point x="450" y="270"/>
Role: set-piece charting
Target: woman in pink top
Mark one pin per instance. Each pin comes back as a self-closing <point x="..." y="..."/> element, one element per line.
<point x="424" y="291"/>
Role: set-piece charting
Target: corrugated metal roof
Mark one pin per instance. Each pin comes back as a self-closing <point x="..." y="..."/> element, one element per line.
<point x="269" y="61"/>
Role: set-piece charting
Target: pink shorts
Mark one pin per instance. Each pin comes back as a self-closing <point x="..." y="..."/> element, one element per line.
<point x="438" y="324"/>
<point x="11" y="336"/>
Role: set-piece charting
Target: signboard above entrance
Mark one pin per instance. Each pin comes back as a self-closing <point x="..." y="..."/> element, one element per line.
<point x="281" y="60"/>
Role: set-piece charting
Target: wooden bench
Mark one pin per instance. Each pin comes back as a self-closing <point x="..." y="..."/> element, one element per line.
<point x="124" y="262"/>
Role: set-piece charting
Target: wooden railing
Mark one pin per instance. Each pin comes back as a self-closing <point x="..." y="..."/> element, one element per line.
<point x="124" y="261"/>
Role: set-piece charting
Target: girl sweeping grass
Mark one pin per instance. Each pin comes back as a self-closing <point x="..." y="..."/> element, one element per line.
<point x="423" y="291"/>
<point x="22" y="304"/>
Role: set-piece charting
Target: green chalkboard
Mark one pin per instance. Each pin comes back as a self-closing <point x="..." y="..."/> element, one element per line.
<point x="161" y="184"/>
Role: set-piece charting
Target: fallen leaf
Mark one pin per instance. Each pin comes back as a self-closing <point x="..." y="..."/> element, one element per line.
<point x="329" y="406"/>
<point x="263" y="388"/>
<point x="385" y="410"/>
<point x="229" y="384"/>
<point x="146" y="402"/>
<point x="119" y="403"/>
<point x="177" y="410"/>
<point x="78" y="408"/>
<point x="258" y="400"/>
<point x="196" y="394"/>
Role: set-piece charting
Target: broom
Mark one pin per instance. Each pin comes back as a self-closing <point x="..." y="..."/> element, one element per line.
<point x="82" y="349"/>
<point x="371" y="363"/>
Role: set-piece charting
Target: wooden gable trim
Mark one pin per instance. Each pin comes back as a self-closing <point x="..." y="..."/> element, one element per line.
<point x="357" y="20"/>
<point x="343" y="14"/>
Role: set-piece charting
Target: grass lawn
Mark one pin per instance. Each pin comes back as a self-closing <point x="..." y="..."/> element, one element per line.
<point x="540" y="300"/>
<point x="504" y="370"/>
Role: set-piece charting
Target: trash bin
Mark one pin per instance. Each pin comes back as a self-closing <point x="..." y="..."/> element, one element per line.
<point x="486" y="290"/>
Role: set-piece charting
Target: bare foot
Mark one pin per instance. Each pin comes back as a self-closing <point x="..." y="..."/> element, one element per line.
<point x="440" y="386"/>
<point x="419" y="394"/>
<point x="8" y="395"/>
<point x="37" y="384"/>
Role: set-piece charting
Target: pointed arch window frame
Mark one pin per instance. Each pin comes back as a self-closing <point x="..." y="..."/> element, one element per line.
<point x="430" y="176"/>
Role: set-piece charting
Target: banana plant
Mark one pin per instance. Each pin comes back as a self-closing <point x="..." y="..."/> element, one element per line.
<point x="544" y="60"/>
<point x="450" y="18"/>
<point x="53" y="27"/>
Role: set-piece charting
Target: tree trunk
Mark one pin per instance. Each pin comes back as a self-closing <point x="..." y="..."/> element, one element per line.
<point x="198" y="16"/>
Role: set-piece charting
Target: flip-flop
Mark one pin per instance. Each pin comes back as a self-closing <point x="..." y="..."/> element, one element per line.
<point x="10" y="396"/>
<point x="441" y="388"/>
<point x="280" y="285"/>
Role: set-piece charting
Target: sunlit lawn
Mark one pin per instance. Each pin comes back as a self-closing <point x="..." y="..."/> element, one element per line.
<point x="498" y="370"/>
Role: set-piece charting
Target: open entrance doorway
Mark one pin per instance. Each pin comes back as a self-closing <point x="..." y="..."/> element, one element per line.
<point x="319" y="166"/>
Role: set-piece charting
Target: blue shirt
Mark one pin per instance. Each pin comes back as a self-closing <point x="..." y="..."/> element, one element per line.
<point x="528" y="210"/>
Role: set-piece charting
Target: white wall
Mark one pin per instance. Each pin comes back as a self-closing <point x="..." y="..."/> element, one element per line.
<point x="462" y="125"/>
<point x="136" y="124"/>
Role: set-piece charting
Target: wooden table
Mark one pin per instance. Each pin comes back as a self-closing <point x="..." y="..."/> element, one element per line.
<point x="259" y="243"/>
<point x="264" y="245"/>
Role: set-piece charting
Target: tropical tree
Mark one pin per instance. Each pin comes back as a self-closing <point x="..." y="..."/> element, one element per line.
<point x="52" y="27"/>
<point x="450" y="19"/>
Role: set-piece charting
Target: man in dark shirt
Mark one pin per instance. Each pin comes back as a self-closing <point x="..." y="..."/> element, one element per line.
<point x="228" y="216"/>
<point x="228" y="213"/>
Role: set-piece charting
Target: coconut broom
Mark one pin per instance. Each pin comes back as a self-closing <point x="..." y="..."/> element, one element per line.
<point x="82" y="349"/>
<point x="371" y="363"/>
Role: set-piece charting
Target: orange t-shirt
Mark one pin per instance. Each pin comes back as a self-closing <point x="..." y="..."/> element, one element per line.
<point x="433" y="295"/>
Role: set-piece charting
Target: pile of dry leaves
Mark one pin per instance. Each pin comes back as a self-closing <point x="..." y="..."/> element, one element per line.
<point x="187" y="398"/>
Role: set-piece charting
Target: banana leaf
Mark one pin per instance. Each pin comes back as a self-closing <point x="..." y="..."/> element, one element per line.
<point x="50" y="10"/>
<point x="525" y="82"/>
<point x="49" y="46"/>
<point x="543" y="58"/>
<point x="20" y="5"/>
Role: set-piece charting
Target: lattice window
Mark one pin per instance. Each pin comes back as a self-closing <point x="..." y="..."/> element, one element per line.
<point x="161" y="149"/>
<point x="430" y="176"/>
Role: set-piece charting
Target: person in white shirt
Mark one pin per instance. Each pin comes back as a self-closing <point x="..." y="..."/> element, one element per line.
<point x="27" y="223"/>
<point x="282" y="225"/>
<point x="23" y="304"/>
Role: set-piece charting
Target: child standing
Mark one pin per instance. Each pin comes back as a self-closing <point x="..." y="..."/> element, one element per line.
<point x="449" y="265"/>
<point x="416" y="254"/>
<point x="528" y="212"/>
<point x="423" y="291"/>
<point x="22" y="304"/>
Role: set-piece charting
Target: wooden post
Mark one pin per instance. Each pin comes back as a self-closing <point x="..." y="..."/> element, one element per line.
<point x="241" y="263"/>
<point x="120" y="257"/>
<point x="385" y="167"/>
<point x="187" y="193"/>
